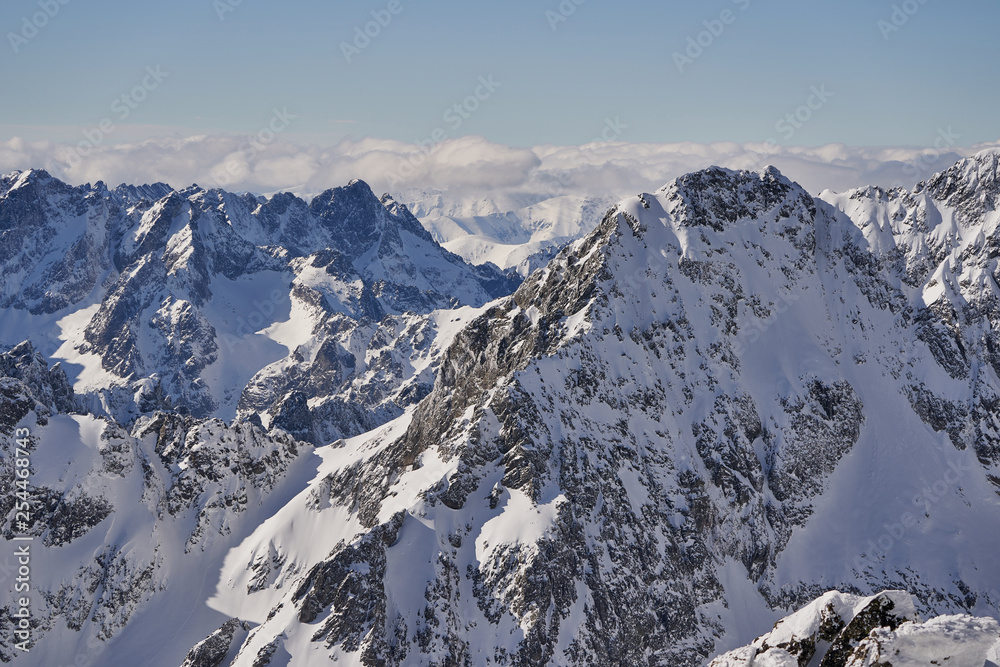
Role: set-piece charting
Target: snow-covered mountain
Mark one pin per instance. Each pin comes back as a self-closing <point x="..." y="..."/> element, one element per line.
<point x="195" y="300"/>
<point x="728" y="399"/>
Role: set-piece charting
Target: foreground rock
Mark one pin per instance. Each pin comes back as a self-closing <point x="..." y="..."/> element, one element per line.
<point x="840" y="630"/>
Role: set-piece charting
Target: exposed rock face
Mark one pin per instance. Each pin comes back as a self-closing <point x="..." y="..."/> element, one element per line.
<point x="213" y="650"/>
<point x="28" y="384"/>
<point x="558" y="420"/>
<point x="353" y="376"/>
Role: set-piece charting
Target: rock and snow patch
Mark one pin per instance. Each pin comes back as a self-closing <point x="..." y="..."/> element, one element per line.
<point x="842" y="630"/>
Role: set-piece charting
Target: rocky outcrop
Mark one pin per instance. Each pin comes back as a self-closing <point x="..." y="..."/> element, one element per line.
<point x="212" y="651"/>
<point x="841" y="630"/>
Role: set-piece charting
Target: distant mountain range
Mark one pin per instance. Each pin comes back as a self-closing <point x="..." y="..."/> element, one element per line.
<point x="279" y="432"/>
<point x="522" y="233"/>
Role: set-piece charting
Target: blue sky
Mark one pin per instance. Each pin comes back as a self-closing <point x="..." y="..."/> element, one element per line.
<point x="560" y="86"/>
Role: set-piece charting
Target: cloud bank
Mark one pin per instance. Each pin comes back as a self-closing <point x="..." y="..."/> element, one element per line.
<point x="466" y="166"/>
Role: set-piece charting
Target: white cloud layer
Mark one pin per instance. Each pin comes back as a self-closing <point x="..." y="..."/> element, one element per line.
<point x="465" y="166"/>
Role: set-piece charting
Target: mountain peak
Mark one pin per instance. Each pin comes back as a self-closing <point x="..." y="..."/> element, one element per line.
<point x="35" y="173"/>
<point x="134" y="194"/>
<point x="29" y="178"/>
<point x="356" y="212"/>
<point x="971" y="185"/>
<point x="354" y="188"/>
<point x="717" y="197"/>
